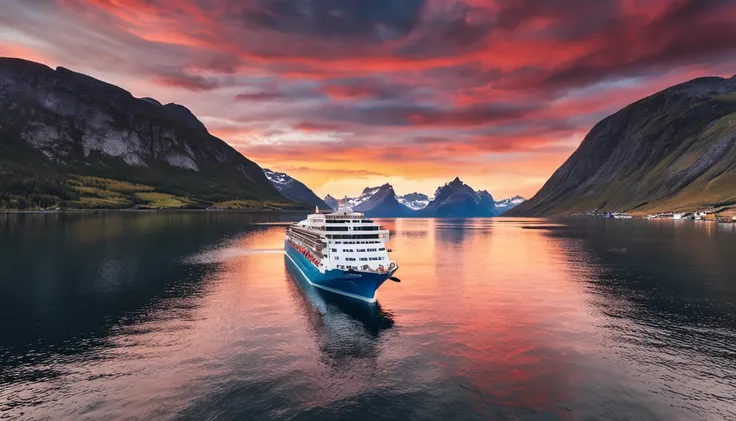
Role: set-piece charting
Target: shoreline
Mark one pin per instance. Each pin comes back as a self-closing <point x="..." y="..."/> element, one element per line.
<point x="80" y="211"/>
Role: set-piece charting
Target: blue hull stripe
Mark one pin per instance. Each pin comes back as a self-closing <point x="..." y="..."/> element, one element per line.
<point x="361" y="287"/>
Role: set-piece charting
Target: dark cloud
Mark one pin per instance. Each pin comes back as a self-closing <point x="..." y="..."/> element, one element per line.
<point x="186" y="81"/>
<point x="368" y="19"/>
<point x="261" y="96"/>
<point x="371" y="89"/>
<point x="430" y="116"/>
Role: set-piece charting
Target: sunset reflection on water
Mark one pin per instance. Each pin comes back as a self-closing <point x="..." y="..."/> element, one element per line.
<point x="199" y="315"/>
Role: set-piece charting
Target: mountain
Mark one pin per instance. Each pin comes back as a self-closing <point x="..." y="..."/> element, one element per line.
<point x="67" y="139"/>
<point x="414" y="201"/>
<point x="507" y="204"/>
<point x="486" y="198"/>
<point x="453" y="200"/>
<point x="331" y="202"/>
<point x="379" y="202"/>
<point x="672" y="151"/>
<point x="294" y="189"/>
<point x="458" y="200"/>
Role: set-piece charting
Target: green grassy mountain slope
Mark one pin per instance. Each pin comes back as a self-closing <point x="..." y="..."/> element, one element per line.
<point x="61" y="131"/>
<point x="672" y="151"/>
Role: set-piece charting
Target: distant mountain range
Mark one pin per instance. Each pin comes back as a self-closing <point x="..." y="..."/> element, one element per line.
<point x="672" y="151"/>
<point x="455" y="199"/>
<point x="294" y="189"/>
<point x="69" y="140"/>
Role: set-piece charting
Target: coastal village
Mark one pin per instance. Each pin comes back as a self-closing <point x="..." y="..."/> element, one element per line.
<point x="722" y="215"/>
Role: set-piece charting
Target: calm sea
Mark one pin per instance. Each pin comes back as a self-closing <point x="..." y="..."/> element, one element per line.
<point x="148" y="316"/>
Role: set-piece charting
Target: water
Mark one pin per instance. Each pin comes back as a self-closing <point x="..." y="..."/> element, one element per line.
<point x="197" y="316"/>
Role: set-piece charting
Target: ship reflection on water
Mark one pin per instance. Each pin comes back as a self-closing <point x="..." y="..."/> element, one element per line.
<point x="345" y="326"/>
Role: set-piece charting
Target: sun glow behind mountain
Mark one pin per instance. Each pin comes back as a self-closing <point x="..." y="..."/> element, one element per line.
<point x="343" y="95"/>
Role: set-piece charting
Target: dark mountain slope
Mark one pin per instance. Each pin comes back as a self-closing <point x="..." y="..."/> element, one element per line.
<point x="674" y="150"/>
<point x="381" y="202"/>
<point x="294" y="189"/>
<point x="486" y="198"/>
<point x="332" y="202"/>
<point x="458" y="200"/>
<point x="58" y="123"/>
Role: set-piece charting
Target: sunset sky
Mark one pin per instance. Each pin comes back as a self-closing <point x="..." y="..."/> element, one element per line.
<point x="345" y="94"/>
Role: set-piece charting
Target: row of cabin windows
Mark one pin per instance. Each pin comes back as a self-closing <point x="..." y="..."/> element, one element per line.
<point x="359" y="250"/>
<point x="329" y="228"/>
<point x="357" y="242"/>
<point x="362" y="259"/>
<point x="346" y="267"/>
<point x="353" y="237"/>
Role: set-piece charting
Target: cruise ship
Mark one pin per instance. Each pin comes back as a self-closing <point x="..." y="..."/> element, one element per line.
<point x="341" y="252"/>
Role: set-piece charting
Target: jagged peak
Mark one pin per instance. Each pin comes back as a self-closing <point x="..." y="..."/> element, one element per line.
<point x="377" y="188"/>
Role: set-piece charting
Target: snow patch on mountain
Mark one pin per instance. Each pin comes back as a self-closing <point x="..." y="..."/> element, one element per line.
<point x="509" y="203"/>
<point x="354" y="202"/>
<point x="277" y="177"/>
<point x="414" y="201"/>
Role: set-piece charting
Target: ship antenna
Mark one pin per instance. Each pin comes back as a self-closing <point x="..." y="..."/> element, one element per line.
<point x="316" y="208"/>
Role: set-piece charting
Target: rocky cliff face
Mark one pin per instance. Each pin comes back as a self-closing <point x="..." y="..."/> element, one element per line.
<point x="674" y="150"/>
<point x="68" y="122"/>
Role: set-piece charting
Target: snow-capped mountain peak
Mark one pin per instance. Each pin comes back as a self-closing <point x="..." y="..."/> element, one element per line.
<point x="378" y="201"/>
<point x="367" y="194"/>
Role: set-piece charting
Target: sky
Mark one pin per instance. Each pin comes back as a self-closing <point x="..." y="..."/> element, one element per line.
<point x="346" y="94"/>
